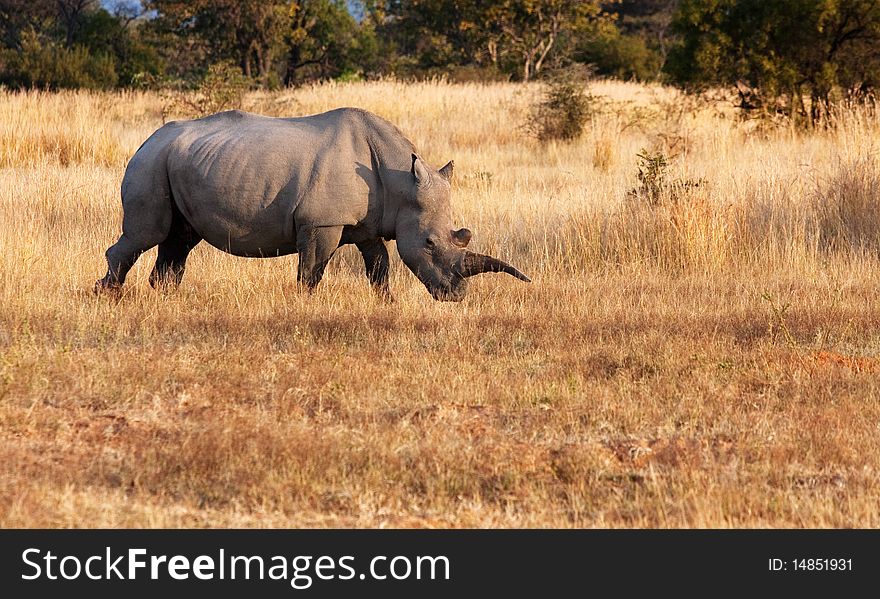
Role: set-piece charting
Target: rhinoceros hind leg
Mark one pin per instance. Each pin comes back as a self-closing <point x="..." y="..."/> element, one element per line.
<point x="171" y="260"/>
<point x="121" y="256"/>
<point x="376" y="264"/>
<point x="315" y="246"/>
<point x="146" y="221"/>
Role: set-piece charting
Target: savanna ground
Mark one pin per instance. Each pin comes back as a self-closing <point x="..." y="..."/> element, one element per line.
<point x="701" y="353"/>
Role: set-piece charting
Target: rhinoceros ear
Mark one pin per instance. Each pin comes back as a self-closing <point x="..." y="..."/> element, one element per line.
<point x="447" y="170"/>
<point x="420" y="171"/>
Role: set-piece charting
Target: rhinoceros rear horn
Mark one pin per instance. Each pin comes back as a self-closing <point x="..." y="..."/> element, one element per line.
<point x="473" y="264"/>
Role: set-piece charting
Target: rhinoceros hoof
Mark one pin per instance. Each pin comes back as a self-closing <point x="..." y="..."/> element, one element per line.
<point x="108" y="289"/>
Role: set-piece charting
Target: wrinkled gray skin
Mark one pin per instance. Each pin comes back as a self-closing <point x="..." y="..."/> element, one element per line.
<point x="260" y="187"/>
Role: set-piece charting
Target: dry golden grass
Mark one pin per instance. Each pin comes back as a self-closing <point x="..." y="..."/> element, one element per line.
<point x="708" y="360"/>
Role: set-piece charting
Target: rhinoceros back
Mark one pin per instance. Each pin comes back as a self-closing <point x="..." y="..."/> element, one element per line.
<point x="246" y="182"/>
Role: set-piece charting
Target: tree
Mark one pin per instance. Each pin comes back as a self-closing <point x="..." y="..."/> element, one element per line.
<point x="68" y="43"/>
<point x="428" y="34"/>
<point x="635" y="45"/>
<point x="531" y="29"/>
<point x="787" y="50"/>
<point x="247" y="32"/>
<point x="515" y="36"/>
<point x="49" y="64"/>
<point x="287" y="41"/>
<point x="119" y="36"/>
<point x="613" y="53"/>
<point x="647" y="20"/>
<point x="126" y="11"/>
<point x="71" y="14"/>
<point x="323" y="40"/>
<point x="20" y="16"/>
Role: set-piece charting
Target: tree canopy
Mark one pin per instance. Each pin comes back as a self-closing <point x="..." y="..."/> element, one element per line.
<point x="786" y="49"/>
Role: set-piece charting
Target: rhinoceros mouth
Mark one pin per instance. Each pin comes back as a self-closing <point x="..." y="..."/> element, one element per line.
<point x="446" y="296"/>
<point x="454" y="291"/>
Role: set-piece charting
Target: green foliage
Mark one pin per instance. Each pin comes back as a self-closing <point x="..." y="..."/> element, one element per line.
<point x="221" y="88"/>
<point x="202" y="32"/>
<point x="79" y="43"/>
<point x="787" y="50"/>
<point x="564" y="109"/>
<point x="71" y="43"/>
<point x="47" y="64"/>
<point x="519" y="39"/>
<point x="655" y="186"/>
<point x="619" y="55"/>
<point x="102" y="33"/>
<point x="435" y="33"/>
<point x="323" y="41"/>
<point x="522" y="39"/>
<point x="789" y="57"/>
<point x="273" y="42"/>
<point x="652" y="174"/>
<point x="534" y="32"/>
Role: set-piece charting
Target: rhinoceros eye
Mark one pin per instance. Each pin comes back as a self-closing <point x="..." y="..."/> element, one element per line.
<point x="430" y="243"/>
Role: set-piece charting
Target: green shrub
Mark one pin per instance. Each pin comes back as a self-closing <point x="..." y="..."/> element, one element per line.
<point x="652" y="174"/>
<point x="622" y="56"/>
<point x="221" y="88"/>
<point x="46" y="64"/>
<point x="563" y="110"/>
<point x="655" y="186"/>
<point x="104" y="34"/>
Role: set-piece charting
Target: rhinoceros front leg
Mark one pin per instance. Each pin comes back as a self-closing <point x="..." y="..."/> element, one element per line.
<point x="315" y="246"/>
<point x="376" y="263"/>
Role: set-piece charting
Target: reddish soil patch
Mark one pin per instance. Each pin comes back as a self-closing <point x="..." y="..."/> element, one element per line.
<point x="855" y="363"/>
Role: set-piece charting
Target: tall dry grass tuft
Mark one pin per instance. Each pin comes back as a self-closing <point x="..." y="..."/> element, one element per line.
<point x="847" y="205"/>
<point x="70" y="128"/>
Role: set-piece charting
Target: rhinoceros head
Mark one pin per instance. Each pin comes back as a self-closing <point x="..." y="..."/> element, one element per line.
<point x="428" y="244"/>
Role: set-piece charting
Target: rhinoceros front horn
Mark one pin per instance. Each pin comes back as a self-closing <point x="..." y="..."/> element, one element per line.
<point x="473" y="264"/>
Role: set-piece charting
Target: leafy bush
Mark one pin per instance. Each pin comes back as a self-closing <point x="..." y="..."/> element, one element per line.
<point x="46" y="64"/>
<point x="614" y="54"/>
<point x="222" y="88"/>
<point x="654" y="183"/>
<point x="652" y="174"/>
<point x="564" y="109"/>
<point x="104" y="34"/>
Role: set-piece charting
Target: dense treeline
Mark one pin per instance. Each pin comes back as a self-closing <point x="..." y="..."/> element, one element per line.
<point x="793" y="56"/>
